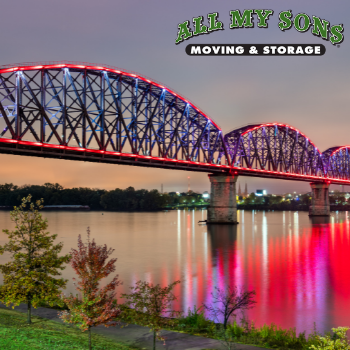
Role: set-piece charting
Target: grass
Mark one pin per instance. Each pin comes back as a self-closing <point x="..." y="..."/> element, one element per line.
<point x="16" y="334"/>
<point x="268" y="336"/>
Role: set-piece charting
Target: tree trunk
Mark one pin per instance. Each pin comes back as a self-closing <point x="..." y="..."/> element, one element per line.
<point x="29" y="311"/>
<point x="154" y="340"/>
<point x="89" y="338"/>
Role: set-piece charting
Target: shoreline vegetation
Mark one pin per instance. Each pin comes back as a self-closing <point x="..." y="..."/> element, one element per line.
<point x="42" y="333"/>
<point x="130" y="200"/>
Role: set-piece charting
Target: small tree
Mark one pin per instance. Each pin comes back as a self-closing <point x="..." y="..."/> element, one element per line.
<point x="96" y="306"/>
<point x="229" y="300"/>
<point x="29" y="276"/>
<point x="149" y="304"/>
<point x="225" y="337"/>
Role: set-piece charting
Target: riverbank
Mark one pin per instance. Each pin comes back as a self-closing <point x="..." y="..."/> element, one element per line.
<point x="47" y="331"/>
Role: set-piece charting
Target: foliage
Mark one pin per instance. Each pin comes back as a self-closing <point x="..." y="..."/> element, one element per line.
<point x="339" y="341"/>
<point x="43" y="334"/>
<point x="97" y="306"/>
<point x="196" y="323"/>
<point x="53" y="194"/>
<point x="149" y="304"/>
<point x="269" y="336"/>
<point x="245" y="332"/>
<point x="227" y="301"/>
<point x="225" y="336"/>
<point x="30" y="275"/>
<point x="128" y="199"/>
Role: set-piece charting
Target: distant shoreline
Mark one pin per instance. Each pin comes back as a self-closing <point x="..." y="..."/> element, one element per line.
<point x="259" y="207"/>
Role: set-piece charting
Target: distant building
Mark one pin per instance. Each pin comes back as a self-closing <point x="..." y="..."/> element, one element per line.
<point x="340" y="194"/>
<point x="246" y="194"/>
<point x="206" y="196"/>
<point x="239" y="190"/>
<point x="260" y="193"/>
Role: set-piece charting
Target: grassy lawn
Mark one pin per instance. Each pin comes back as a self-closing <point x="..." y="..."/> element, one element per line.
<point x="15" y="334"/>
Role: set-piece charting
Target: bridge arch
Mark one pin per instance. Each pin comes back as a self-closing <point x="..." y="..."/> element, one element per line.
<point x="87" y="107"/>
<point x="88" y="112"/>
<point x="274" y="147"/>
<point x="337" y="162"/>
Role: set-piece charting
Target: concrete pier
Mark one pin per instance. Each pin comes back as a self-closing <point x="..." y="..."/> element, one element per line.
<point x="223" y="205"/>
<point x="320" y="199"/>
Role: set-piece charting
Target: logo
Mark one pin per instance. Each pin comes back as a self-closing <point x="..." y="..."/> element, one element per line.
<point x="248" y="19"/>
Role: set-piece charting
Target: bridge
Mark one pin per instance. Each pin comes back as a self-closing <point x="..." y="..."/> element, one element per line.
<point x="89" y="112"/>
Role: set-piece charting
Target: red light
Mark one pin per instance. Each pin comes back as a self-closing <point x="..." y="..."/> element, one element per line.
<point x="55" y="66"/>
<point x="279" y="124"/>
<point x="339" y="149"/>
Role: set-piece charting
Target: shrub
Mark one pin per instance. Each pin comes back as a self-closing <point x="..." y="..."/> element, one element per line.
<point x="339" y="340"/>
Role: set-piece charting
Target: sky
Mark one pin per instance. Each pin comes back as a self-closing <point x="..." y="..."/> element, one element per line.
<point x="309" y="93"/>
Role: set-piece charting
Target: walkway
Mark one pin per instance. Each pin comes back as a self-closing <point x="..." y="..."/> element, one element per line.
<point x="141" y="337"/>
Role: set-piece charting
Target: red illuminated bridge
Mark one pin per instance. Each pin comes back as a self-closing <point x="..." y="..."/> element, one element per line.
<point x="87" y="112"/>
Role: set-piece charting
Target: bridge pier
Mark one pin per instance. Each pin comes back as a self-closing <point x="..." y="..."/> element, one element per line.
<point x="223" y="205"/>
<point x="320" y="199"/>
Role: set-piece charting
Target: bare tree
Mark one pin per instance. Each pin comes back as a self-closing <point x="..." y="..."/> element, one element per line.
<point x="227" y="301"/>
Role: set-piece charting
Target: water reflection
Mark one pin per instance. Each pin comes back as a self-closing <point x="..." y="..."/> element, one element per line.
<point x="298" y="266"/>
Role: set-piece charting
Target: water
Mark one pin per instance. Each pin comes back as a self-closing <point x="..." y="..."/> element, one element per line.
<point x="299" y="269"/>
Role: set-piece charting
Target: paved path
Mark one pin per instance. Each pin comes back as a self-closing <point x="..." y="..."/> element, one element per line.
<point x="141" y="337"/>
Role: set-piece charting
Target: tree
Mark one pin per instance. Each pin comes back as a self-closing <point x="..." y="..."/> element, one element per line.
<point x="149" y="304"/>
<point x="341" y="199"/>
<point x="306" y="198"/>
<point x="251" y="199"/>
<point x="225" y="336"/>
<point x="227" y="301"/>
<point x="332" y="199"/>
<point x="96" y="306"/>
<point x="30" y="275"/>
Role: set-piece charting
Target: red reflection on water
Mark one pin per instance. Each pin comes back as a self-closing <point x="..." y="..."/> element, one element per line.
<point x="298" y="268"/>
<point x="300" y="277"/>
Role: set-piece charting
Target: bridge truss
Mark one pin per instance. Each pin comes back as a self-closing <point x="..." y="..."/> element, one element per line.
<point x="80" y="111"/>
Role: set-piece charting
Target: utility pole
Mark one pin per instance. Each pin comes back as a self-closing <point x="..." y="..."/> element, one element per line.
<point x="189" y="184"/>
<point x="161" y="189"/>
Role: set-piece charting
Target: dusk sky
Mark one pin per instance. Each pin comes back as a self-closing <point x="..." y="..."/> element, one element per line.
<point x="309" y="93"/>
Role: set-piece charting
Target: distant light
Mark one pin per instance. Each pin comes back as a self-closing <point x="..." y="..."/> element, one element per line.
<point x="205" y="195"/>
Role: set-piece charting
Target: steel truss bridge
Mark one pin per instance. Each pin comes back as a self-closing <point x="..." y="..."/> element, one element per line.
<point x="82" y="111"/>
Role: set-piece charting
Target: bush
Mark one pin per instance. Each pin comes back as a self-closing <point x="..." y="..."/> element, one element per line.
<point x="196" y="322"/>
<point x="339" y="340"/>
<point x="270" y="336"/>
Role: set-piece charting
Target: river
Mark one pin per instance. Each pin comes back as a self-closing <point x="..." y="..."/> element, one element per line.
<point x="300" y="269"/>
